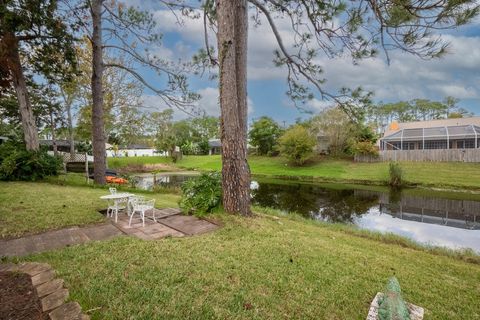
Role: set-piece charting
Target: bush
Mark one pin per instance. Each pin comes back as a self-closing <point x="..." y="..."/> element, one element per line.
<point x="297" y="145"/>
<point x="202" y="194"/>
<point x="396" y="175"/>
<point x="16" y="163"/>
<point x="264" y="135"/>
<point x="365" y="147"/>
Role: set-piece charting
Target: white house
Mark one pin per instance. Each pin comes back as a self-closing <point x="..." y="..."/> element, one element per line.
<point x="133" y="150"/>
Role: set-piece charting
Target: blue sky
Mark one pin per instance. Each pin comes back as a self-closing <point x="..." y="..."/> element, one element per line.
<point x="407" y="77"/>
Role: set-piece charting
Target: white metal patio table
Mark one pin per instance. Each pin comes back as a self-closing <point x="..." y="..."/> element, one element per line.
<point x="119" y="196"/>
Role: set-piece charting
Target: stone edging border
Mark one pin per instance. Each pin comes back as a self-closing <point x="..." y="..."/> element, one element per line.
<point x="50" y="290"/>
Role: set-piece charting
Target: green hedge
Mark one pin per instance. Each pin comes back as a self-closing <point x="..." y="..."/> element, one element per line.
<point x="16" y="163"/>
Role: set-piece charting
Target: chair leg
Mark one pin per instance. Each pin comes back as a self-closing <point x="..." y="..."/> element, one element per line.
<point x="153" y="215"/>
<point x="131" y="216"/>
<point x="143" y="218"/>
<point x="116" y="214"/>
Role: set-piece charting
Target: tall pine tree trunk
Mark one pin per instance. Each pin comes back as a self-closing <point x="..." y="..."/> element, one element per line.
<point x="9" y="46"/>
<point x="68" y="99"/>
<point x="70" y="130"/>
<point x="54" y="136"/>
<point x="232" y="47"/>
<point x="98" y="130"/>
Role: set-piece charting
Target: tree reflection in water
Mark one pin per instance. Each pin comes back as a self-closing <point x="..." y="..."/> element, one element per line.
<point x="314" y="201"/>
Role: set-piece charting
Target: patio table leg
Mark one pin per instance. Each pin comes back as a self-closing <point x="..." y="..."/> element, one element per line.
<point x="128" y="206"/>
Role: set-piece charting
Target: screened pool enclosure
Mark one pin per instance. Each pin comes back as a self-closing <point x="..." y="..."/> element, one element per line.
<point x="447" y="137"/>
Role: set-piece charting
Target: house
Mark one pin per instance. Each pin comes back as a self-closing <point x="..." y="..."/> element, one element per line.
<point x="62" y="145"/>
<point x="215" y="146"/>
<point x="433" y="140"/>
<point x="323" y="143"/>
<point x="132" y="150"/>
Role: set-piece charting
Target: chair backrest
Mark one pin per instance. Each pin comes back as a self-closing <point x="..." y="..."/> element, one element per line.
<point x="113" y="190"/>
<point x="143" y="203"/>
<point x="135" y="200"/>
<point x="150" y="203"/>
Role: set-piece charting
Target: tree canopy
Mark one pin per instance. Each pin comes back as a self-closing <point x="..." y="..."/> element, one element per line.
<point x="264" y="134"/>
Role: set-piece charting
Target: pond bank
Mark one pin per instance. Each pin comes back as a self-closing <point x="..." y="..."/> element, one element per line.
<point x="317" y="179"/>
<point x="432" y="218"/>
<point x="267" y="267"/>
<point x="452" y="176"/>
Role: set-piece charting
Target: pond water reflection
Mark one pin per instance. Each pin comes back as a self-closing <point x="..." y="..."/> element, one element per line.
<point x="426" y="219"/>
<point x="430" y="218"/>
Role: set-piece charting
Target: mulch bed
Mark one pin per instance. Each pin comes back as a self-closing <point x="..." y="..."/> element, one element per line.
<point x="19" y="300"/>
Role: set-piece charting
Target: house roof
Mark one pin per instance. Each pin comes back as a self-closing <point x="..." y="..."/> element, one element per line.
<point x="434" y="133"/>
<point x="397" y="126"/>
<point x="136" y="146"/>
<point x="214" y="143"/>
<point x="60" y="143"/>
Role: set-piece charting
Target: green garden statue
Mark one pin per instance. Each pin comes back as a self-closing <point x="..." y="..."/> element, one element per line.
<point x="391" y="304"/>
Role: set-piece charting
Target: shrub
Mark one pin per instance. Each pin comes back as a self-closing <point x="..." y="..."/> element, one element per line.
<point x="396" y="175"/>
<point x="365" y="147"/>
<point x="202" y="194"/>
<point x="297" y="145"/>
<point x="264" y="135"/>
<point x="16" y="163"/>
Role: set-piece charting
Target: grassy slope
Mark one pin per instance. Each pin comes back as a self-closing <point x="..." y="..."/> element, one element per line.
<point x="262" y="268"/>
<point x="116" y="163"/>
<point x="35" y="207"/>
<point x="439" y="174"/>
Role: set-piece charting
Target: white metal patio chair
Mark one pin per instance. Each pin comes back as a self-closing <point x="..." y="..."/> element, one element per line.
<point x="113" y="190"/>
<point x="118" y="205"/>
<point x="131" y="200"/>
<point x="140" y="206"/>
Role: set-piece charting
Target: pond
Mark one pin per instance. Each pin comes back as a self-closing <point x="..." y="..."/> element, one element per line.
<point x="435" y="218"/>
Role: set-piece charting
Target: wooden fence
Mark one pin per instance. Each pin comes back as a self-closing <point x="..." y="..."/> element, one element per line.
<point x="444" y="155"/>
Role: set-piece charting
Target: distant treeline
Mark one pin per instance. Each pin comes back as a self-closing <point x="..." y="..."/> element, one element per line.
<point x="383" y="114"/>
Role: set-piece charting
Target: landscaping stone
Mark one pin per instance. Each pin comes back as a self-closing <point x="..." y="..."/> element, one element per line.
<point x="188" y="225"/>
<point x="54" y="299"/>
<point x="49" y="291"/>
<point x="57" y="239"/>
<point x="43" y="277"/>
<point x="6" y="266"/>
<point x="34" y="268"/>
<point x="170" y="223"/>
<point x="68" y="311"/>
<point x="49" y="287"/>
<point x="416" y="312"/>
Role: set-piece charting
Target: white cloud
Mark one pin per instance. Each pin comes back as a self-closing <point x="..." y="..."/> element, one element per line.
<point x="209" y="103"/>
<point x="162" y="52"/>
<point x="318" y="105"/>
<point x="407" y="77"/>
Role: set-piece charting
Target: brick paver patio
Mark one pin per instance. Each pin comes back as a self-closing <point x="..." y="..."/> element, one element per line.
<point x="57" y="239"/>
<point x="170" y="223"/>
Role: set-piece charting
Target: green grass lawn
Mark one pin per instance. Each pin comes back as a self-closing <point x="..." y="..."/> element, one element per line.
<point x="432" y="174"/>
<point x="267" y="267"/>
<point x="261" y="268"/>
<point x="35" y="207"/>
<point x="116" y="163"/>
